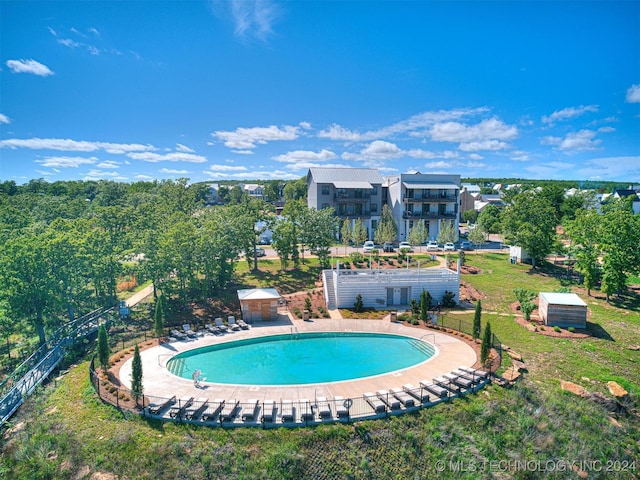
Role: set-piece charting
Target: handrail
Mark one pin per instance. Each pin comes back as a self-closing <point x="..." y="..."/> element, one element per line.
<point x="427" y="334"/>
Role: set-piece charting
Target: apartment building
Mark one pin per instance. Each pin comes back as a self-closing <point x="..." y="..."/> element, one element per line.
<point x="420" y="197"/>
<point x="361" y="193"/>
<point x="353" y="193"/>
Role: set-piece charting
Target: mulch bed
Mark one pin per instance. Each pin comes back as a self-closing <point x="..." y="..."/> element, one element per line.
<point x="536" y="325"/>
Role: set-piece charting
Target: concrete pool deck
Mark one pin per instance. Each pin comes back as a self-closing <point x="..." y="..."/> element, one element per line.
<point x="159" y="382"/>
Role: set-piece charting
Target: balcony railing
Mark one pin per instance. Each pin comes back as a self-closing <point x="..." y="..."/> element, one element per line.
<point x="430" y="198"/>
<point x="428" y="215"/>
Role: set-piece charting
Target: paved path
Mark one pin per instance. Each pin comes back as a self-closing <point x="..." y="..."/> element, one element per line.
<point x="139" y="296"/>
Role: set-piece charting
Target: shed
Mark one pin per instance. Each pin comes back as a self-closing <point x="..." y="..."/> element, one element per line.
<point x="518" y="255"/>
<point x="562" y="309"/>
<point x="259" y="304"/>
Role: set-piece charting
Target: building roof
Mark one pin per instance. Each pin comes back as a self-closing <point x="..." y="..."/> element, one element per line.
<point x="427" y="186"/>
<point x="258" y="294"/>
<point x="343" y="184"/>
<point x="563" y="299"/>
<point x="351" y="175"/>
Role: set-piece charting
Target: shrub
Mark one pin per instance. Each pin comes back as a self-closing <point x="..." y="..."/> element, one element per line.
<point x="297" y="312"/>
<point x="103" y="347"/>
<point x="307" y="303"/>
<point x="556" y="329"/>
<point x="358" y="307"/>
<point x="485" y="347"/>
<point x="449" y="299"/>
<point x="390" y="261"/>
<point x="404" y="317"/>
<point x="571" y="329"/>
<point x="356" y="257"/>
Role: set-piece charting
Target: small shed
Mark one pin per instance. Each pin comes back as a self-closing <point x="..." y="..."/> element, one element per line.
<point x="259" y="304"/>
<point x="562" y="309"/>
<point x="518" y="255"/>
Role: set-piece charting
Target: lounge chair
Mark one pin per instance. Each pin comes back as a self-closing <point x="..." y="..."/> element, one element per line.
<point x="243" y="324"/>
<point x="475" y="372"/>
<point x="288" y="411"/>
<point x="416" y="392"/>
<point x="188" y="331"/>
<point x="179" y="335"/>
<point x="403" y="397"/>
<point x="437" y="390"/>
<point x="156" y="408"/>
<point x="231" y="321"/>
<point x="324" y="409"/>
<point x="375" y="403"/>
<point x="306" y="410"/>
<point x="194" y="412"/>
<point x="212" y="329"/>
<point x="229" y="411"/>
<point x="475" y="379"/>
<point x="269" y="411"/>
<point x="213" y="410"/>
<point x="221" y="325"/>
<point x="461" y="382"/>
<point x="342" y="406"/>
<point x="177" y="411"/>
<point x="389" y="400"/>
<point x="251" y="412"/>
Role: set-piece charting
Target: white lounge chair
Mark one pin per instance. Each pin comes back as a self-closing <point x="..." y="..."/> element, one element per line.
<point x="213" y="410"/>
<point x="416" y="392"/>
<point x="403" y="397"/>
<point x="177" y="411"/>
<point x="389" y="400"/>
<point x="252" y="411"/>
<point x="156" y="408"/>
<point x="221" y="325"/>
<point x="288" y="411"/>
<point x="231" y="321"/>
<point x="229" y="411"/>
<point x="461" y="382"/>
<point x="197" y="409"/>
<point x="475" y="372"/>
<point x="186" y="328"/>
<point x="179" y="335"/>
<point x="342" y="406"/>
<point x="375" y="403"/>
<point x="243" y="325"/>
<point x="269" y="411"/>
<point x="306" y="410"/>
<point x="437" y="390"/>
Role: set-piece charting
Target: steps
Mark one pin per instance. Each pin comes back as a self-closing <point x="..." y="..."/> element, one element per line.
<point x="421" y="346"/>
<point x="327" y="278"/>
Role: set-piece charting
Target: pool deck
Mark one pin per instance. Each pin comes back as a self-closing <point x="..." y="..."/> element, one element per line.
<point x="159" y="382"/>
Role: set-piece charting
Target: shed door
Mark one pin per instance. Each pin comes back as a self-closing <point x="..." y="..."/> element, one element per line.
<point x="389" y="296"/>
<point x="404" y="296"/>
<point x="266" y="311"/>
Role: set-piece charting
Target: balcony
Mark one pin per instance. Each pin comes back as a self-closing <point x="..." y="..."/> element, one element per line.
<point x="352" y="196"/>
<point x="428" y="215"/>
<point x="427" y="197"/>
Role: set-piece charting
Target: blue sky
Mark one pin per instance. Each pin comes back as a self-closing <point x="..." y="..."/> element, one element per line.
<point x="223" y="90"/>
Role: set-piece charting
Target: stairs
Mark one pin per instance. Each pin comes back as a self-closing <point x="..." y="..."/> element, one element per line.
<point x="421" y="346"/>
<point x="327" y="278"/>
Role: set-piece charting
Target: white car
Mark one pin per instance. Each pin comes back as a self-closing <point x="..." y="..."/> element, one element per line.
<point x="449" y="247"/>
<point x="368" y="246"/>
<point x="405" y="246"/>
<point x="432" y="246"/>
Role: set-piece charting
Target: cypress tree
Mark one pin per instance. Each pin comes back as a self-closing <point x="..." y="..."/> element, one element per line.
<point x="476" y="320"/>
<point x="103" y="348"/>
<point x="136" y="375"/>
<point x="158" y="324"/>
<point x="423" y="306"/>
<point x="485" y="347"/>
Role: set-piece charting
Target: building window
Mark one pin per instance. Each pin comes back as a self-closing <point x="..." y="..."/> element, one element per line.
<point x="325" y="190"/>
<point x="325" y="205"/>
<point x="374" y="191"/>
<point x="374" y="208"/>
<point x="374" y="224"/>
<point x="409" y="192"/>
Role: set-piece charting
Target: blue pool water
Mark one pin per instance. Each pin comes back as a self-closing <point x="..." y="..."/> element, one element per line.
<point x="302" y="358"/>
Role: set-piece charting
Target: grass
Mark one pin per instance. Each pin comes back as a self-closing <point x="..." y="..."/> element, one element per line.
<point x="64" y="431"/>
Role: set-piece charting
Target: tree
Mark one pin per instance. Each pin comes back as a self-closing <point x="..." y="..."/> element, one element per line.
<point x="489" y="219"/>
<point x="295" y="190"/>
<point x="525" y="298"/>
<point x="346" y="232"/>
<point x="387" y="230"/>
<point x="103" y="348"/>
<point x="477" y="320"/>
<point x="530" y="222"/>
<point x="358" y="307"/>
<point x="320" y="232"/>
<point x="470" y="216"/>
<point x="447" y="233"/>
<point x="485" y="346"/>
<point x="477" y="235"/>
<point x="359" y="233"/>
<point x="425" y="304"/>
<point x="419" y="234"/>
<point x="160" y="313"/>
<point x="136" y="374"/>
<point x="584" y="234"/>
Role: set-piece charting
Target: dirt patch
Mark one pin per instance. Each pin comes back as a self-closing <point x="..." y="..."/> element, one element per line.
<point x="469" y="293"/>
<point x="298" y="302"/>
<point x="470" y="270"/>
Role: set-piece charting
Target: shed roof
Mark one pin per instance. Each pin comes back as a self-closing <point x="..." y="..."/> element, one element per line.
<point x="571" y="299"/>
<point x="258" y="294"/>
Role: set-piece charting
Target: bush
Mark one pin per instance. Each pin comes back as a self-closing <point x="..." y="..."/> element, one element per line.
<point x="297" y="312"/>
<point x="356" y="257"/>
<point x="358" y="307"/>
<point x="571" y="329"/>
<point x="556" y="329"/>
<point x="449" y="299"/>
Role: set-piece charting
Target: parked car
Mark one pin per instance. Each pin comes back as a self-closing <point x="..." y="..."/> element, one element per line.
<point x="388" y="247"/>
<point x="405" y="246"/>
<point x="259" y="252"/>
<point x="465" y="245"/>
<point x="432" y="246"/>
<point x="368" y="246"/>
<point x="449" y="247"/>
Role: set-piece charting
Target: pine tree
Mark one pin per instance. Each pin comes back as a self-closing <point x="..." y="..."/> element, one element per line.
<point x="136" y="375"/>
<point x="103" y="348"/>
<point x="476" y="320"/>
<point x="425" y="305"/>
<point x="485" y="347"/>
<point x="358" y="307"/>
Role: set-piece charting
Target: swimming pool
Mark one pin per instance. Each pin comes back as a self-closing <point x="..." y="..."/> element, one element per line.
<point x="302" y="358"/>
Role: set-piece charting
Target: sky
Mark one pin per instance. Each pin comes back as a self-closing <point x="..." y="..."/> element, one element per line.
<point x="262" y="89"/>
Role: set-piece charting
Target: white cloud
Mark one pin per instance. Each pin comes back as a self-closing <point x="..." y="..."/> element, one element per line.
<point x="582" y="140"/>
<point x="66" y="162"/>
<point x="173" y="171"/>
<point x="168" y="157"/>
<point x="251" y="18"/>
<point x="260" y="175"/>
<point x="336" y="132"/>
<point x="94" y="31"/>
<point x="440" y="164"/>
<point x="247" y="138"/>
<point x="68" y="145"/>
<point x="569" y="112"/>
<point x="67" y="42"/>
<point x="519" y="156"/>
<point x="298" y="156"/>
<point x="108" y="164"/>
<point x="243" y="152"/>
<point x="606" y="129"/>
<point x="142" y="176"/>
<point x="485" y="145"/>
<point x="4" y="119"/>
<point x="633" y="94"/>
<point x="29" y="66"/>
<point x="376" y="150"/>
<point x="100" y="175"/>
<point x="475" y="156"/>
<point x="489" y="129"/>
<point x="227" y="168"/>
<point x="610" y="168"/>
<point x="184" y="148"/>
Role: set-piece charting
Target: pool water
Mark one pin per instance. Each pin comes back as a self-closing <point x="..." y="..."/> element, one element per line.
<point x="302" y="358"/>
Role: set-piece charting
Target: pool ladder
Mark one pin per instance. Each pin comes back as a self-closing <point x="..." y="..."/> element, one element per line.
<point x="294" y="333"/>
